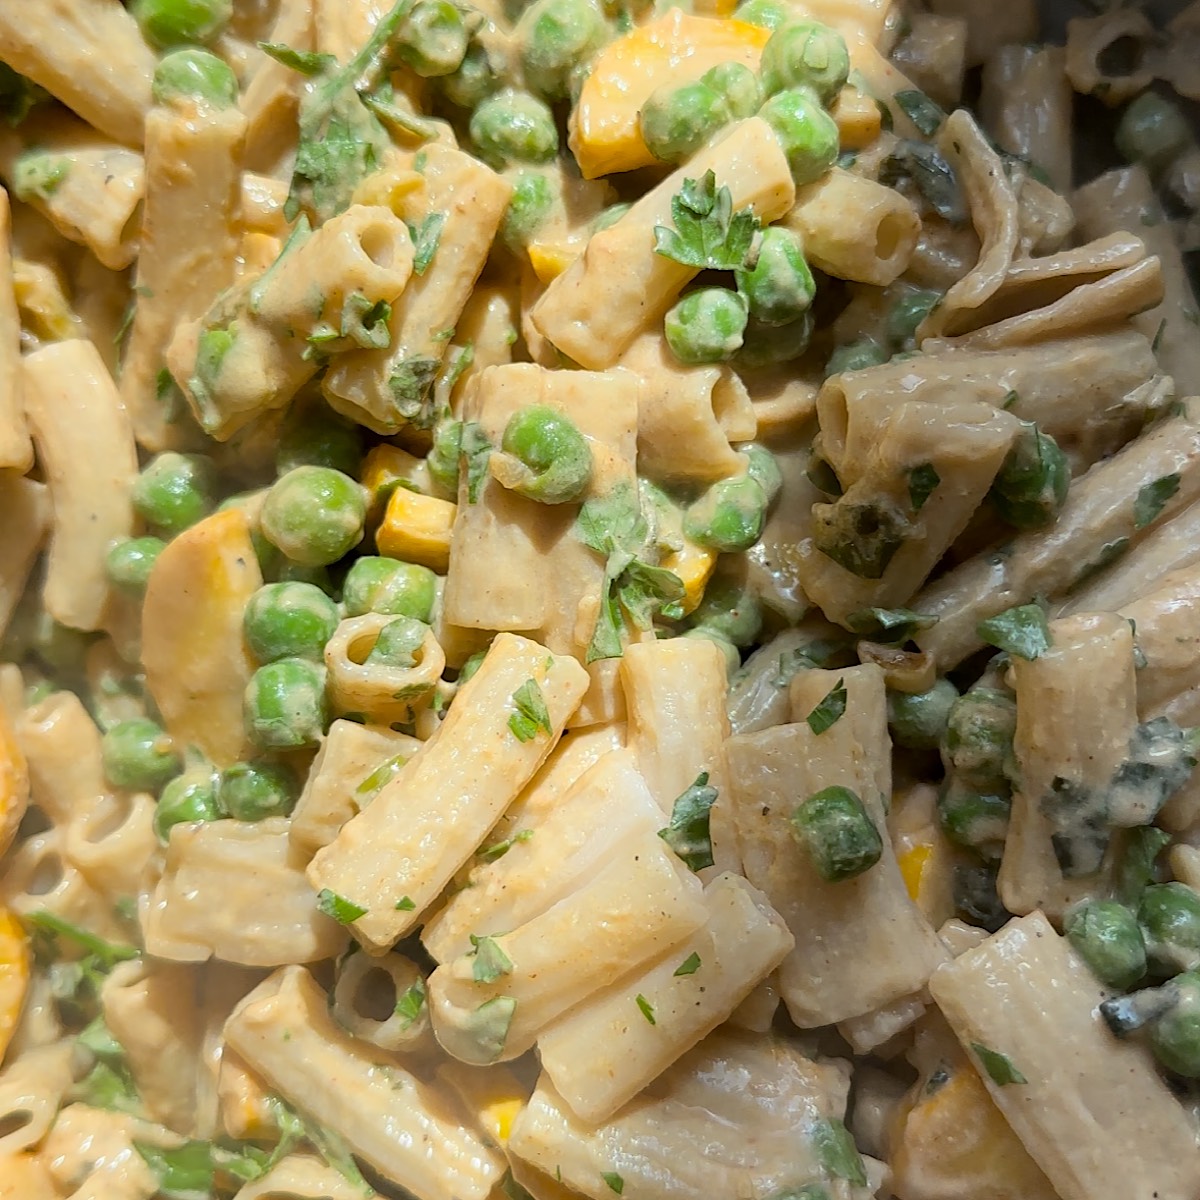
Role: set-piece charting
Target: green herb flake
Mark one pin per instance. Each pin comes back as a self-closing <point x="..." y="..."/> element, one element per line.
<point x="489" y="1025"/>
<point x="1152" y="499"/>
<point x="830" y="710"/>
<point x="411" y="386"/>
<point x="708" y="233"/>
<point x="1158" y="335"/>
<point x="999" y="1067"/>
<point x="105" y="954"/>
<point x="837" y="1153"/>
<point x="1021" y="631"/>
<point x="490" y="962"/>
<point x="405" y="904"/>
<point x="1010" y="399"/>
<point x="689" y="966"/>
<point x="647" y="1009"/>
<point x="490" y="854"/>
<point x="476" y="452"/>
<point x="532" y="713"/>
<point x="425" y="238"/>
<point x="614" y="1181"/>
<point x="922" y="482"/>
<point x="889" y="625"/>
<point x="306" y="62"/>
<point x="379" y="778"/>
<point x="411" y="1004"/>
<point x="688" y="833"/>
<point x="921" y="111"/>
<point x="338" y="907"/>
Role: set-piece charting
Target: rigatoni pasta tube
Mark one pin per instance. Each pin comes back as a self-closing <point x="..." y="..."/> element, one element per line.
<point x="26" y="505"/>
<point x="62" y="750"/>
<point x="621" y="275"/>
<point x="1090" y="1108"/>
<point x="395" y="856"/>
<point x="1166" y="633"/>
<point x="404" y="1129"/>
<point x="16" y="450"/>
<point x="85" y="442"/>
<point x="854" y="228"/>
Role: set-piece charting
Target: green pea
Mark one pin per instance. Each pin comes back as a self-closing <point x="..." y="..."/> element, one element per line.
<point x="836" y="829"/>
<point x="729" y="516"/>
<point x="398" y="643"/>
<point x="289" y="620"/>
<point x="729" y="609"/>
<point x="918" y="720"/>
<point x="475" y="79"/>
<point x="432" y="39"/>
<point x="733" y="660"/>
<point x="974" y="820"/>
<point x="738" y="85"/>
<point x="805" y="54"/>
<point x="779" y="287"/>
<point x="512" y="127"/>
<point x="174" y="491"/>
<point x="807" y="133"/>
<point x="60" y="647"/>
<point x="767" y="345"/>
<point x="763" y="469"/>
<point x="194" y="75"/>
<point x="706" y="325"/>
<point x="189" y="797"/>
<point x="856" y="356"/>
<point x="979" y="737"/>
<point x="1152" y="130"/>
<point x="531" y="204"/>
<point x="556" y="456"/>
<point x="284" y="704"/>
<point x="315" y="515"/>
<point x="166" y="23"/>
<point x="443" y="456"/>
<point x="1175" y="1036"/>
<point x="129" y="563"/>
<point x="678" y="118"/>
<point x="286" y="571"/>
<point x="556" y="38"/>
<point x="254" y="791"/>
<point x="1107" y="937"/>
<point x="1031" y="487"/>
<point x="767" y="14"/>
<point x="386" y="585"/>
<point x="1170" y="918"/>
<point x="139" y="754"/>
<point x="314" y="436"/>
<point x="907" y="313"/>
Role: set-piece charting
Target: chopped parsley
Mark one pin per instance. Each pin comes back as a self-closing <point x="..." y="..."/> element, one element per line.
<point x="425" y="239"/>
<point x="999" y="1067"/>
<point x="688" y="833"/>
<point x="689" y="966"/>
<point x="405" y="904"/>
<point x="490" y="962"/>
<point x="411" y="1004"/>
<point x="708" y="233"/>
<point x="647" y="1009"/>
<point x="830" y="710"/>
<point x="889" y="625"/>
<point x="411" y="386"/>
<point x="338" y="907"/>
<point x="305" y="62"/>
<point x="476" y="451"/>
<point x="614" y="1181"/>
<point x="496" y="850"/>
<point x="1021" y="631"/>
<point x="532" y="713"/>
<point x="921" y="111"/>
<point x="489" y="1025"/>
<point x="837" y="1153"/>
<point x="922" y="482"/>
<point x="380" y="778"/>
<point x="1152" y="498"/>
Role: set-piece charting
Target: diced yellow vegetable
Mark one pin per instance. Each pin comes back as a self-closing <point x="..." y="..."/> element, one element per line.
<point x="912" y="867"/>
<point x="25" y="1177"/>
<point x="927" y="861"/>
<point x="953" y="1143"/>
<point x="195" y="656"/>
<point x="45" y="311"/>
<point x="551" y="259"/>
<point x="14" y="976"/>
<point x="14" y="783"/>
<point x="388" y="188"/>
<point x="384" y="468"/>
<point x="694" y="565"/>
<point x="605" y="135"/>
<point x="858" y="118"/>
<point x="416" y="528"/>
<point x="244" y="1100"/>
<point x="493" y="1096"/>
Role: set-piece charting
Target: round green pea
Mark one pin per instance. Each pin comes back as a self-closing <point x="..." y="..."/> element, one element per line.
<point x="733" y="659"/>
<point x="289" y="620"/>
<point x="433" y="38"/>
<point x="314" y="515"/>
<point x="139" y="755"/>
<point x="443" y="456"/>
<point x="767" y="14"/>
<point x="512" y="127"/>
<point x="475" y="79"/>
<point x="254" y="791"/>
<point x="738" y="85"/>
<point x="706" y="325"/>
<point x="805" y="54"/>
<point x="856" y="356"/>
<point x="678" y="118"/>
<point x="807" y="133"/>
<point x="166" y="23"/>
<point x="129" y="563"/>
<point x="317" y="437"/>
<point x="973" y="819"/>
<point x="284" y="704"/>
<point x="779" y="287"/>
<point x="174" y="491"/>
<point x="979" y="737"/>
<point x="836" y="829"/>
<point x="730" y="610"/>
<point x="386" y="585"/>
<point x="1170" y="917"/>
<point x="556" y="38"/>
<point x="1107" y="937"/>
<point x="553" y="451"/>
<point x="729" y="516"/>
<point x="188" y="797"/>
<point x="194" y="74"/>
<point x="1175" y="1036"/>
<point x="763" y="468"/>
<point x="1152" y="130"/>
<point x="60" y="647"/>
<point x="918" y="720"/>
<point x="531" y="203"/>
<point x="767" y="345"/>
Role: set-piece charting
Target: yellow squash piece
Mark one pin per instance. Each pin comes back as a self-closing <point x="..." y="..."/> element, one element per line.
<point x="14" y="976"/>
<point x="416" y="528"/>
<point x="14" y="783"/>
<point x="384" y="469"/>
<point x="195" y="656"/>
<point x="605" y="135"/>
<point x="694" y="565"/>
<point x="550" y="259"/>
<point x="954" y="1143"/>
